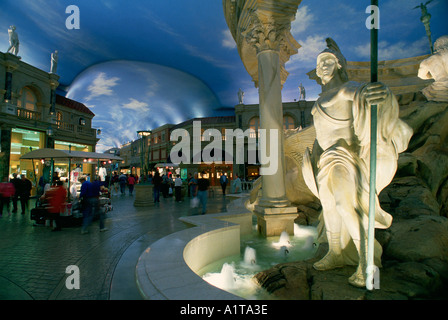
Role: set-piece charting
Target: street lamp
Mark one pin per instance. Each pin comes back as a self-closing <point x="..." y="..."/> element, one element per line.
<point x="142" y="133"/>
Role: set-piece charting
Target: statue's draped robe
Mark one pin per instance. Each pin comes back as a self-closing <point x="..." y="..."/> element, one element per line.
<point x="393" y="138"/>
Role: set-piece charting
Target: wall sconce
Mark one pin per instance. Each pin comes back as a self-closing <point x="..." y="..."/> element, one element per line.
<point x="50" y="131"/>
<point x="98" y="132"/>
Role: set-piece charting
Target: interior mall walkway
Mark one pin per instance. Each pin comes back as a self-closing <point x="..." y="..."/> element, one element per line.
<point x="33" y="259"/>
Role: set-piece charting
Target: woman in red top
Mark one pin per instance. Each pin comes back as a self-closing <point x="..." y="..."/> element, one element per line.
<point x="131" y="183"/>
<point x="56" y="197"/>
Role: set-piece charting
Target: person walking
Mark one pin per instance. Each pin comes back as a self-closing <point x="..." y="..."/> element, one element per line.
<point x="123" y="180"/>
<point x="237" y="184"/>
<point x="203" y="185"/>
<point x="165" y="185"/>
<point x="25" y="193"/>
<point x="178" y="188"/>
<point x="131" y="183"/>
<point x="115" y="184"/>
<point x="6" y="192"/>
<point x="15" y="198"/>
<point x="56" y="197"/>
<point x="157" y="182"/>
<point x="193" y="187"/>
<point x="223" y="182"/>
<point x="90" y="193"/>
<point x="188" y="184"/>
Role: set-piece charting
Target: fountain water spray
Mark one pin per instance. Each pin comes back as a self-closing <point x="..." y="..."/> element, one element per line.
<point x="283" y="241"/>
<point x="250" y="257"/>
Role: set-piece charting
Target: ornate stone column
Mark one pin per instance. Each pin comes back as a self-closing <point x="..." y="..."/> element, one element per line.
<point x="5" y="150"/>
<point x="261" y="29"/>
<point x="11" y="64"/>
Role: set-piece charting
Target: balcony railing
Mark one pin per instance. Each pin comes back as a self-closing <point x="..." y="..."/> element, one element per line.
<point x="28" y="114"/>
<point x="70" y="127"/>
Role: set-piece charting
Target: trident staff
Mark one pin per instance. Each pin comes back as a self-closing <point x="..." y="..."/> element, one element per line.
<point x="371" y="268"/>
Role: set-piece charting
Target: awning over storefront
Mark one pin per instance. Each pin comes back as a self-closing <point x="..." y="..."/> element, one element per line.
<point x="48" y="153"/>
<point x="166" y="164"/>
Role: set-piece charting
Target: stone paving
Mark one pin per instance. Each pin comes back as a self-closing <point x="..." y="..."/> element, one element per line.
<point x="33" y="259"/>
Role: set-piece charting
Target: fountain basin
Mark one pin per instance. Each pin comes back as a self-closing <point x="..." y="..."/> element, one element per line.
<point x="167" y="269"/>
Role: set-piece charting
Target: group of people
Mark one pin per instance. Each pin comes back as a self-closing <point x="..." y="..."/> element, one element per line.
<point x="15" y="190"/>
<point x="120" y="182"/>
<point x="55" y="198"/>
<point x="197" y="188"/>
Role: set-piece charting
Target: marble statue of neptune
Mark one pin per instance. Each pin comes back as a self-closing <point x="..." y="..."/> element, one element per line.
<point x="337" y="170"/>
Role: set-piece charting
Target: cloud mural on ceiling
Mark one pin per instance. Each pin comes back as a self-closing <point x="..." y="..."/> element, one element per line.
<point x="127" y="96"/>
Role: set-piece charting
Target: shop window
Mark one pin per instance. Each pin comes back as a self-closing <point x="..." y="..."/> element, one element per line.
<point x="27" y="100"/>
<point x="254" y="124"/>
<point x="288" y="123"/>
<point x="22" y="142"/>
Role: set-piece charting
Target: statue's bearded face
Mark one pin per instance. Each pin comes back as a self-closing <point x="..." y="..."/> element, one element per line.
<point x="327" y="66"/>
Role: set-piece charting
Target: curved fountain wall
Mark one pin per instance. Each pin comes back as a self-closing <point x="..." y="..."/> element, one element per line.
<point x="166" y="269"/>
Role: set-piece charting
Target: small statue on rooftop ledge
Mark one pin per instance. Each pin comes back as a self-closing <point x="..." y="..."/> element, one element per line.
<point x="13" y="41"/>
<point x="240" y="96"/>
<point x="337" y="171"/>
<point x="302" y="92"/>
<point x="436" y="67"/>
<point x="54" y="62"/>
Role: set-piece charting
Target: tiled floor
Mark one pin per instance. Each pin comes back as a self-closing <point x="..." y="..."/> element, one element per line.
<point x="33" y="260"/>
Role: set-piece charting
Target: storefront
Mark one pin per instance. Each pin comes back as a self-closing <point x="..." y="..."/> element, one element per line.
<point x="83" y="166"/>
<point x="24" y="141"/>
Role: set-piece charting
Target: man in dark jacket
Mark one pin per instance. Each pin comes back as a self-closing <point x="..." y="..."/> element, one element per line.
<point x="15" y="198"/>
<point x="25" y="193"/>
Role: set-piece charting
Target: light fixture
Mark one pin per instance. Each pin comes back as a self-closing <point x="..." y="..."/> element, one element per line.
<point x="98" y="131"/>
<point x="50" y="131"/>
<point x="144" y="133"/>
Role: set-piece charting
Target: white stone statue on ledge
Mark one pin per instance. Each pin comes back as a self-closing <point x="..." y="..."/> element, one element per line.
<point x="13" y="41"/>
<point x="302" y="92"/>
<point x="337" y="171"/>
<point x="436" y="67"/>
<point x="54" y="62"/>
<point x="240" y="96"/>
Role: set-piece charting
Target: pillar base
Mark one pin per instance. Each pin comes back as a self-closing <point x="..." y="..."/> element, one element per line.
<point x="272" y="221"/>
<point x="143" y="195"/>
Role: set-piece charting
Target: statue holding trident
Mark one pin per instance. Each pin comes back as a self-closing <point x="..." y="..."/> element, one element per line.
<point x="337" y="170"/>
<point x="425" y="20"/>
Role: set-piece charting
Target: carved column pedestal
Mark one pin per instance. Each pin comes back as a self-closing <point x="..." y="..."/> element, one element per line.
<point x="143" y="195"/>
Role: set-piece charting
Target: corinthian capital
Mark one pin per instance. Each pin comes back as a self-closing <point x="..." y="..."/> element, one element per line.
<point x="259" y="25"/>
<point x="265" y="35"/>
